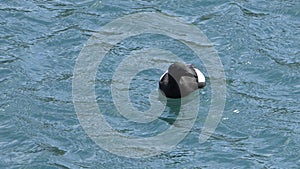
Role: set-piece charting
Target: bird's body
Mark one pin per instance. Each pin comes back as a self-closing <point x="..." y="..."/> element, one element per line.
<point x="180" y="80"/>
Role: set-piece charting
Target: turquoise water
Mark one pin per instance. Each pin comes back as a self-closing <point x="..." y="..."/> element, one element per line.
<point x="257" y="42"/>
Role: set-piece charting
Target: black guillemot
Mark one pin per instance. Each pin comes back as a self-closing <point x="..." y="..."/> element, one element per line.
<point x="180" y="80"/>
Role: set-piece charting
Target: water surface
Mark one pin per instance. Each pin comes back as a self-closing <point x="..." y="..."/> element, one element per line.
<point x="258" y="44"/>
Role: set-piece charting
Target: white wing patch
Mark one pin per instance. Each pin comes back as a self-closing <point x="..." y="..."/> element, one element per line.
<point x="200" y="75"/>
<point x="163" y="75"/>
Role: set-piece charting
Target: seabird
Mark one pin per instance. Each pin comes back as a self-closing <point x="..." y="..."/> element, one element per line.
<point x="180" y="80"/>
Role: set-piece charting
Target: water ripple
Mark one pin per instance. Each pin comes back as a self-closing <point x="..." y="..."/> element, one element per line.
<point x="257" y="42"/>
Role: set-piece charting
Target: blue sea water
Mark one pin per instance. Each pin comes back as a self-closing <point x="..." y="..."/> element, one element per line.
<point x="258" y="44"/>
